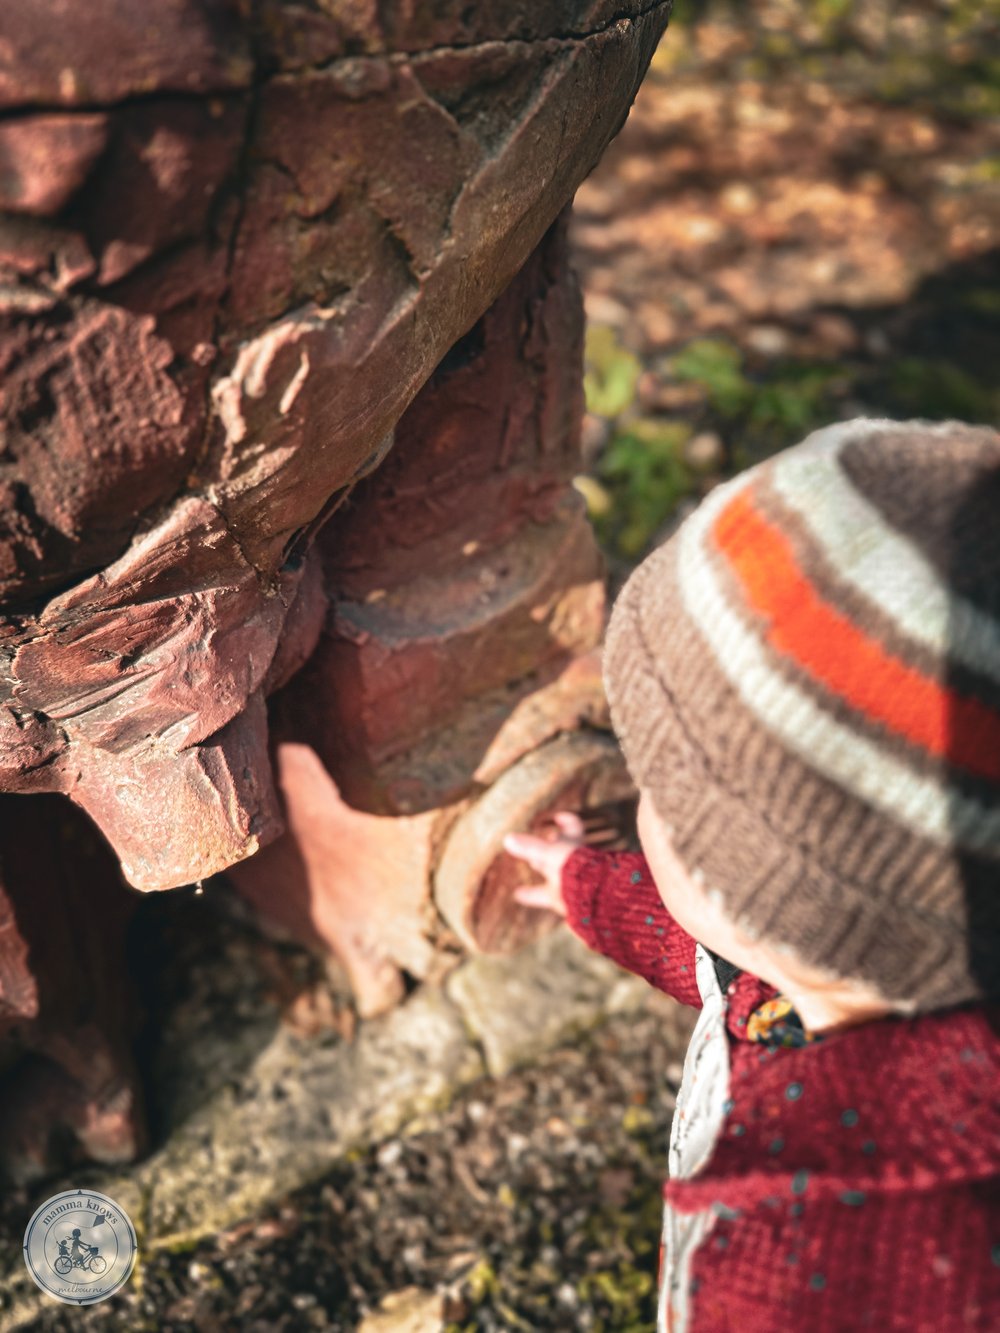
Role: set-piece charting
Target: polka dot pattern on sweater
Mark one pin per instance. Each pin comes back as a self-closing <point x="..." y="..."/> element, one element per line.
<point x="858" y="1109"/>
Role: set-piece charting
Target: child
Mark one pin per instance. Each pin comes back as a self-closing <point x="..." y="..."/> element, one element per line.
<point x="805" y="681"/>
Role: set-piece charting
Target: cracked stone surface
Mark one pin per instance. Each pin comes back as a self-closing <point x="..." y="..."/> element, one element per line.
<point x="298" y="1107"/>
<point x="250" y="254"/>
<point x="300" y="1104"/>
<point x="212" y="322"/>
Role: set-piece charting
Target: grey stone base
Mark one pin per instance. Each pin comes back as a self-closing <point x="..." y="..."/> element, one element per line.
<point x="297" y="1106"/>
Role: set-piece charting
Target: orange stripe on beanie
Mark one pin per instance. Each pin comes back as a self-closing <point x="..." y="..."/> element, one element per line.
<point x="842" y="657"/>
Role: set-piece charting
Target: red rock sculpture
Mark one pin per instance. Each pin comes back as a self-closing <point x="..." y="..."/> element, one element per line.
<point x="236" y="242"/>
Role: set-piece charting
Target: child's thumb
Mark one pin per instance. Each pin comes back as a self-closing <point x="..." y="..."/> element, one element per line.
<point x="522" y="845"/>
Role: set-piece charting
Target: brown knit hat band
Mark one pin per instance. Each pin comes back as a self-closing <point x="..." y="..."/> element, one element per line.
<point x="800" y="726"/>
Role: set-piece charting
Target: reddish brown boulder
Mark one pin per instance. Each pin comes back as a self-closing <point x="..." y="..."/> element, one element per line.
<point x="464" y="574"/>
<point x="246" y="258"/>
<point x="346" y="882"/>
<point x="466" y="594"/>
<point x="213" y="334"/>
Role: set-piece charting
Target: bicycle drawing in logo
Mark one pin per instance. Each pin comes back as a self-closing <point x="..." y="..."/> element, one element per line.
<point x="79" y="1255"/>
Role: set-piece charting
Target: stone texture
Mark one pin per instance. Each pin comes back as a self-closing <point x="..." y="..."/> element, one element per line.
<point x="261" y="1111"/>
<point x="409" y="257"/>
<point x="168" y="158"/>
<point x="464" y="581"/>
<point x="463" y="573"/>
<point x="295" y="1110"/>
<point x="67" y="1021"/>
<point x="45" y="159"/>
<point x="236" y="243"/>
<point x="350" y="26"/>
<point x="229" y="317"/>
<point x="58" y="53"/>
<point x="573" y="699"/>
<point x="488" y="444"/>
<point x="475" y="879"/>
<point x="188" y="671"/>
<point x="516" y="1010"/>
<point x="347" y="882"/>
<point x="96" y="431"/>
<point x="409" y="664"/>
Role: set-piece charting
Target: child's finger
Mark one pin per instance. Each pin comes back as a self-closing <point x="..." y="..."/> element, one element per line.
<point x="539" y="895"/>
<point x="569" y="822"/>
<point x="545" y="857"/>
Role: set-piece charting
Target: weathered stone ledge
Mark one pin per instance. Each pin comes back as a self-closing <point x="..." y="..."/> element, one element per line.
<point x="302" y="1104"/>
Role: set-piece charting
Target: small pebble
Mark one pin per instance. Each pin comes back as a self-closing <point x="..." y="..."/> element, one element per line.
<point x="705" y="452"/>
<point x="390" y="1153"/>
<point x="768" y="340"/>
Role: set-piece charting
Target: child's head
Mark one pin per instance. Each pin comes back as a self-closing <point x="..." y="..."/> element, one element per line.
<point x="806" y="684"/>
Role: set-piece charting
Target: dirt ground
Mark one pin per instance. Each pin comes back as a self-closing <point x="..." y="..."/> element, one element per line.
<point x="532" y="1203"/>
<point x="800" y="223"/>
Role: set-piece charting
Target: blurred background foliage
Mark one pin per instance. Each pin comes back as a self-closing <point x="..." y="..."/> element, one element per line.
<point x="799" y="224"/>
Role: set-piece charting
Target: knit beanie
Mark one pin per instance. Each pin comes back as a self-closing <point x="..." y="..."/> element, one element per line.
<point x="806" y="680"/>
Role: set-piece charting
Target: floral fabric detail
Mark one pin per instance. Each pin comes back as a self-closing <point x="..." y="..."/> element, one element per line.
<point x="775" y="1023"/>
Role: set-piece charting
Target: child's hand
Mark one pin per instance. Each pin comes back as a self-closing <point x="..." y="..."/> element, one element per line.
<point x="546" y="856"/>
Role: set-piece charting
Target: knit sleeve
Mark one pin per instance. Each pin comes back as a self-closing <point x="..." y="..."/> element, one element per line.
<point x="613" y="905"/>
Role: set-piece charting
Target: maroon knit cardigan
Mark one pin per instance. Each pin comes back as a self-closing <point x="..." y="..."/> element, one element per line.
<point x="856" y="1180"/>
